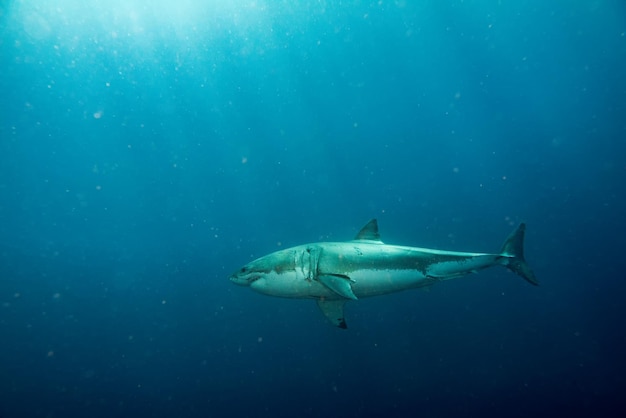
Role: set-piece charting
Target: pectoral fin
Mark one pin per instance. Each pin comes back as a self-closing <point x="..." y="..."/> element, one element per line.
<point x="339" y="284"/>
<point x="333" y="310"/>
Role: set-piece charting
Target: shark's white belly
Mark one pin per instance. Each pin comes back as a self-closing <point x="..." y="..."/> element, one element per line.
<point x="379" y="282"/>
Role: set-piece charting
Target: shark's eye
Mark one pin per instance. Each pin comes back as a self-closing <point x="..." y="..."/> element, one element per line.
<point x="244" y="269"/>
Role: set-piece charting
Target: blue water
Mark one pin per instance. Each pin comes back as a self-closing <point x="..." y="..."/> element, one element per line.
<point x="149" y="149"/>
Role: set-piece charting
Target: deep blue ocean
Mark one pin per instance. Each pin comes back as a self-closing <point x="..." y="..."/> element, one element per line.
<point x="148" y="149"/>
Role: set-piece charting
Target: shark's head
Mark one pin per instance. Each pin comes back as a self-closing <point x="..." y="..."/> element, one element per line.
<point x="276" y="274"/>
<point x="261" y="268"/>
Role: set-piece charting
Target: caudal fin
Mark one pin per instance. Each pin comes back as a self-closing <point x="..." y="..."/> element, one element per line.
<point x="513" y="251"/>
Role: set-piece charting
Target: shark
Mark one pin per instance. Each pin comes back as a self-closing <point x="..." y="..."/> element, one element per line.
<point x="333" y="273"/>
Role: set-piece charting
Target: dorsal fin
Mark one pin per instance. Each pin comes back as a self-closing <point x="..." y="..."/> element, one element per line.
<point x="369" y="232"/>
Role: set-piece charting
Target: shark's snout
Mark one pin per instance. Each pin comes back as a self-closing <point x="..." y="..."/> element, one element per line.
<point x="238" y="280"/>
<point x="244" y="277"/>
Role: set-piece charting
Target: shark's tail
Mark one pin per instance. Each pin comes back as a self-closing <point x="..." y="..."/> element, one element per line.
<point x="513" y="253"/>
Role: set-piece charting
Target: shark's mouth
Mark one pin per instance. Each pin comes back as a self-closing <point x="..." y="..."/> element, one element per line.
<point x="252" y="279"/>
<point x="244" y="281"/>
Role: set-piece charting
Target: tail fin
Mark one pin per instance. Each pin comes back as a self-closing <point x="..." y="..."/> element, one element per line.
<point x="513" y="251"/>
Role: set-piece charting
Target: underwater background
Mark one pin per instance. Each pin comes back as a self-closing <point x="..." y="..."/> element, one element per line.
<point x="150" y="149"/>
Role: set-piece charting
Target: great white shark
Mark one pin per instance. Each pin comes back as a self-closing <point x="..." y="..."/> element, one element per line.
<point x="333" y="273"/>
